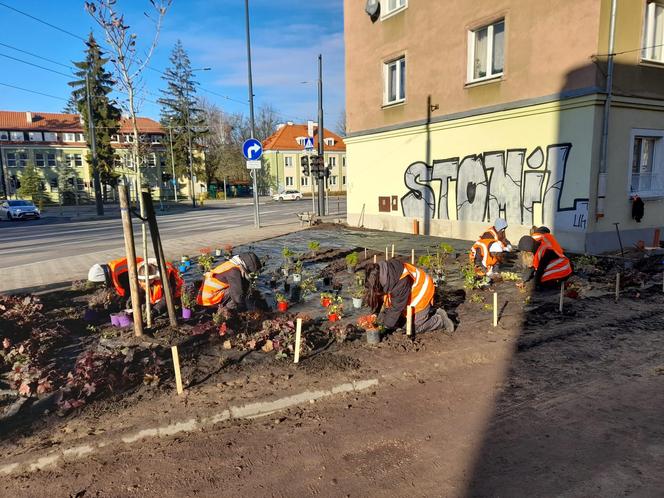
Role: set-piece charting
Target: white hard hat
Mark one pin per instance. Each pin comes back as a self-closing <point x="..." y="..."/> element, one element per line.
<point x="500" y="224"/>
<point x="153" y="271"/>
<point x="96" y="274"/>
<point x="496" y="247"/>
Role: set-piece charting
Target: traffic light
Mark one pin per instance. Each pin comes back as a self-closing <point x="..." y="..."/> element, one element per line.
<point x="304" y="161"/>
<point x="318" y="166"/>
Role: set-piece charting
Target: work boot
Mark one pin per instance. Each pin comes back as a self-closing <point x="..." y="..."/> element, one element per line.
<point x="447" y="322"/>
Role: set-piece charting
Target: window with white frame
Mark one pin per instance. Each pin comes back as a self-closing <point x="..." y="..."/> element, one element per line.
<point x="11" y="159"/>
<point x="40" y="160"/>
<point x="394" y="81"/>
<point x="17" y="159"/>
<point x="329" y="141"/>
<point x="486" y="51"/>
<point x="75" y="159"/>
<point x="35" y="136"/>
<point x="333" y="161"/>
<point x="289" y="181"/>
<point x="49" y="136"/>
<point x="17" y="136"/>
<point x="333" y="180"/>
<point x="4" y="136"/>
<point x="69" y="137"/>
<point x="50" y="159"/>
<point x="653" y="32"/>
<point x="392" y="7"/>
<point x="647" y="163"/>
<point x="151" y="160"/>
<point x="304" y="181"/>
<point x="288" y="161"/>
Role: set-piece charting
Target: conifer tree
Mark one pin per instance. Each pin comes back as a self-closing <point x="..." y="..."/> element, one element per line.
<point x="31" y="183"/>
<point x="180" y="111"/>
<point x="105" y="114"/>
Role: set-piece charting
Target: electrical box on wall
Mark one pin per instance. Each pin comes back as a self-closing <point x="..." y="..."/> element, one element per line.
<point x="395" y="203"/>
<point x="384" y="204"/>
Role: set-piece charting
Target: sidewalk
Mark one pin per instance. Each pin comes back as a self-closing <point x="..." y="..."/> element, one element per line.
<point x="60" y="272"/>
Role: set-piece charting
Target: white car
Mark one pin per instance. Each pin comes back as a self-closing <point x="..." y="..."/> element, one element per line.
<point x="18" y="210"/>
<point x="288" y="195"/>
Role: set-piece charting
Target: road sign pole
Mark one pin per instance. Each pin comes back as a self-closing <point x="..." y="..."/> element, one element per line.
<point x="321" y="137"/>
<point x="257" y="216"/>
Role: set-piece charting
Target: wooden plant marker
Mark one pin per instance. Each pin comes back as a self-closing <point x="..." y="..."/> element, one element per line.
<point x="375" y="258"/>
<point x="176" y="367"/>
<point x="365" y="253"/>
<point x="617" y="286"/>
<point x="412" y="256"/>
<point x="392" y="250"/>
<point x="409" y="321"/>
<point x="495" y="309"/>
<point x="387" y="254"/>
<point x="298" y="340"/>
<point x="562" y="297"/>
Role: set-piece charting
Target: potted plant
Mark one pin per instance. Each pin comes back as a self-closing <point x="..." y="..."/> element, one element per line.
<point x="218" y="252"/>
<point x="326" y="299"/>
<point x="205" y="261"/>
<point x="297" y="271"/>
<point x="335" y="310"/>
<point x="372" y="329"/>
<point x="287" y="254"/>
<point x="282" y="302"/>
<point x="308" y="286"/>
<point x="358" y="296"/>
<point x="184" y="259"/>
<point x="313" y="246"/>
<point x="187" y="300"/>
<point x="352" y="260"/>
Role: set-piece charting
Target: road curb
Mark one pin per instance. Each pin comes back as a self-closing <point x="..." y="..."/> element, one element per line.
<point x="35" y="462"/>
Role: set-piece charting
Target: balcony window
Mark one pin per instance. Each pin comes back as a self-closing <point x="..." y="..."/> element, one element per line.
<point x="653" y="33"/>
<point x="486" y="52"/>
<point x="395" y="81"/>
<point x="391" y="7"/>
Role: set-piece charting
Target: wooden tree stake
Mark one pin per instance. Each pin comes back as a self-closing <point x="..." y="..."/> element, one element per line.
<point x="495" y="309"/>
<point x="392" y="250"/>
<point x="412" y="256"/>
<point x="375" y="258"/>
<point x="617" y="286"/>
<point x="387" y="254"/>
<point x="176" y="367"/>
<point x="562" y="297"/>
<point x="409" y="321"/>
<point x="298" y="340"/>
<point x="130" y="254"/>
<point x="365" y="253"/>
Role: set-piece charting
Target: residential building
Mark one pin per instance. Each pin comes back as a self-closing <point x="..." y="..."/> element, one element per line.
<point x="55" y="144"/>
<point x="461" y="112"/>
<point x="283" y="152"/>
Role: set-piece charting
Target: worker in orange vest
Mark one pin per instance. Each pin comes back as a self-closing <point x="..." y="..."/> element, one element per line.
<point x="486" y="255"/>
<point x="228" y="283"/>
<point x="498" y="233"/>
<point x="392" y="286"/>
<point x="116" y="274"/>
<point x="540" y="233"/>
<point x="547" y="266"/>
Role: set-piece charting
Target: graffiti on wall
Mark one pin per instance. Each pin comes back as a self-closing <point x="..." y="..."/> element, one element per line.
<point x="526" y="189"/>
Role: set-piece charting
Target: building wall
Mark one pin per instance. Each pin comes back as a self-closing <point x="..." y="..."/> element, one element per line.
<point x="548" y="49"/>
<point x="530" y="165"/>
<point x="278" y="170"/>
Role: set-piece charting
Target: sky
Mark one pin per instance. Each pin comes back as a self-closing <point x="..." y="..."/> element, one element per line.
<point x="286" y="38"/>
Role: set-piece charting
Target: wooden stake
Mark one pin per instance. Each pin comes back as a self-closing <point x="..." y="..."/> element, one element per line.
<point x="392" y="250"/>
<point x="298" y="340"/>
<point x="176" y="367"/>
<point x="495" y="309"/>
<point x="130" y="254"/>
<point x="562" y="297"/>
<point x="617" y="286"/>
<point x="412" y="256"/>
<point x="409" y="321"/>
<point x="387" y="254"/>
<point x="375" y="258"/>
<point x="365" y="253"/>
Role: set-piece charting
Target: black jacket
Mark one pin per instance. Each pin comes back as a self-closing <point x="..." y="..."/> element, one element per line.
<point x="237" y="291"/>
<point x="398" y="288"/>
<point x="548" y="256"/>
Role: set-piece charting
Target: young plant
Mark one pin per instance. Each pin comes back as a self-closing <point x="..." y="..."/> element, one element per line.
<point x="280" y="298"/>
<point x="205" y="262"/>
<point x="471" y="280"/>
<point x="313" y="246"/>
<point x="297" y="267"/>
<point x="352" y="259"/>
<point x="357" y="292"/>
<point x="187" y="297"/>
<point x="337" y="307"/>
<point x="435" y="261"/>
<point x="308" y="286"/>
<point x="368" y="322"/>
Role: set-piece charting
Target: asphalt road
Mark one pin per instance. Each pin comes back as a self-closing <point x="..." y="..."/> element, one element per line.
<point x="35" y="241"/>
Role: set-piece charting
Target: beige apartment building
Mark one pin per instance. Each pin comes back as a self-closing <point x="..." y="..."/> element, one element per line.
<point x="463" y="111"/>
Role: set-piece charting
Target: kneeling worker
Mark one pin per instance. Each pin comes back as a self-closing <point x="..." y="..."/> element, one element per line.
<point x="486" y="255"/>
<point x="393" y="286"/>
<point x="543" y="233"/>
<point x="547" y="265"/>
<point x="498" y="233"/>
<point x="116" y="274"/>
<point x="228" y="284"/>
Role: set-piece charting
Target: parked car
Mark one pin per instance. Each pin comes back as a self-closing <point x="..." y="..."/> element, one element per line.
<point x="18" y="210"/>
<point x="288" y="195"/>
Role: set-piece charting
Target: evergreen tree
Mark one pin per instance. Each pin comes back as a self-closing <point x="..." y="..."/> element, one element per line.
<point x="71" y="107"/>
<point x="106" y="115"/>
<point x="31" y="183"/>
<point x="180" y="111"/>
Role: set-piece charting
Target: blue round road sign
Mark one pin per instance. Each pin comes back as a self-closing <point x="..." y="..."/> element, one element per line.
<point x="252" y="149"/>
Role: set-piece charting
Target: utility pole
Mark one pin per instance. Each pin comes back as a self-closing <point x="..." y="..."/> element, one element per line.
<point x="321" y="136"/>
<point x="257" y="216"/>
<point x="174" y="181"/>
<point x="191" y="158"/>
<point x="93" y="146"/>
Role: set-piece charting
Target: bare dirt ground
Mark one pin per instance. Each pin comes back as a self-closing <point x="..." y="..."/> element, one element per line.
<point x="543" y="405"/>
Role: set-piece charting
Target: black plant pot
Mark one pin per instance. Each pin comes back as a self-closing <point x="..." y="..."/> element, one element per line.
<point x="286" y="287"/>
<point x="296" y="294"/>
<point x="327" y="280"/>
<point x="273" y="284"/>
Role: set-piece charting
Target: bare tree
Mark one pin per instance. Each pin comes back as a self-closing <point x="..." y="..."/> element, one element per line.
<point x="129" y="65"/>
<point x="340" y="127"/>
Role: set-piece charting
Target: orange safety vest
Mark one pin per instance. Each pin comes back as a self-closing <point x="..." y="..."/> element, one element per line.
<point x="550" y="240"/>
<point x="213" y="290"/>
<point x="421" y="292"/>
<point x="494" y="234"/>
<point x="483" y="245"/>
<point x="118" y="267"/>
<point x="556" y="269"/>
